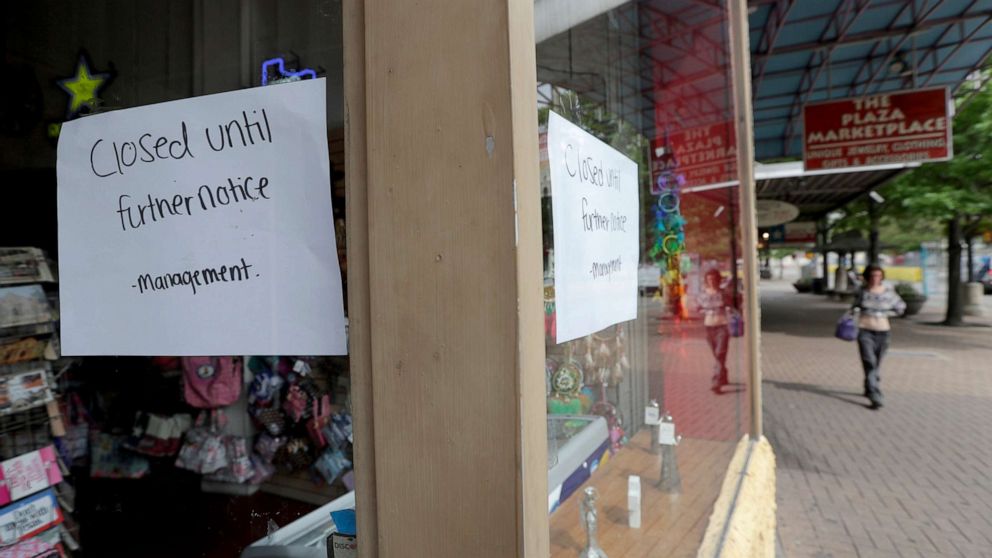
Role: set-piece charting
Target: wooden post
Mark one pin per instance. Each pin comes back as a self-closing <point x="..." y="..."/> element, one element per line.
<point x="359" y="318"/>
<point x="741" y="67"/>
<point x="955" y="303"/>
<point x="452" y="335"/>
<point x="872" y="233"/>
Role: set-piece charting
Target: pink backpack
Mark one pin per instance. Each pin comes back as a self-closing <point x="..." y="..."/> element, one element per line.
<point x="212" y="381"/>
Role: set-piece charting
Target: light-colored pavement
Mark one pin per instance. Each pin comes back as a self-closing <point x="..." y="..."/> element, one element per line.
<point x="912" y="479"/>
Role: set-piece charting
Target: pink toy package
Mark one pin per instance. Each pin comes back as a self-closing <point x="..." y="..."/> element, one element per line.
<point x="27" y="474"/>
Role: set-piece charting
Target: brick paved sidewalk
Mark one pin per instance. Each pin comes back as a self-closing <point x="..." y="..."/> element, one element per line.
<point x="912" y="479"/>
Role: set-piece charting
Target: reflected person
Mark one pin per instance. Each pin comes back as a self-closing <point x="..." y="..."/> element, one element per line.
<point x="713" y="301"/>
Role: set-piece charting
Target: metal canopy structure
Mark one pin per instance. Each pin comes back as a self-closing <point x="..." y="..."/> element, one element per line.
<point x="805" y="51"/>
<point x="802" y="51"/>
<point x="816" y="194"/>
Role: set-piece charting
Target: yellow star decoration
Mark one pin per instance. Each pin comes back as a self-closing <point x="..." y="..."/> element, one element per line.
<point x="82" y="88"/>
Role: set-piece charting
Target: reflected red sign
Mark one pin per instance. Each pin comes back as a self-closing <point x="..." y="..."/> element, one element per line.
<point x="903" y="127"/>
<point x="702" y="156"/>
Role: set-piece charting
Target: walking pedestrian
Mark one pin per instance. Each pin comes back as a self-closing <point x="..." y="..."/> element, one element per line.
<point x="853" y="281"/>
<point x="876" y="301"/>
<point x="713" y="301"/>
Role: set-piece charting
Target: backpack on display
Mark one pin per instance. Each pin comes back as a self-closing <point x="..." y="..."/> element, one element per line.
<point x="211" y="381"/>
<point x="240" y="468"/>
<point x="204" y="448"/>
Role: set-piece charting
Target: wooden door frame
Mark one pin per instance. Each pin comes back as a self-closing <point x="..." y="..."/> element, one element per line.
<point x="443" y="50"/>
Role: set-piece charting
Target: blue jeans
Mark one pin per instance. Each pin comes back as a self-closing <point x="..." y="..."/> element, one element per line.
<point x="872" y="346"/>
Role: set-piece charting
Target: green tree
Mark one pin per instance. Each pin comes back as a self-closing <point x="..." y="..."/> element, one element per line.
<point x="956" y="193"/>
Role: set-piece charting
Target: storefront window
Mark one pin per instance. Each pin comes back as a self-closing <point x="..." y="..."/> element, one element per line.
<point x="645" y="411"/>
<point x="157" y="455"/>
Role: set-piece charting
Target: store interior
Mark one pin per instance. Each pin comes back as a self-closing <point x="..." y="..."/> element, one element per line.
<point x="127" y="436"/>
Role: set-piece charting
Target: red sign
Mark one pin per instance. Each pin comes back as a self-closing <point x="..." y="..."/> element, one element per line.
<point x="902" y="127"/>
<point x="701" y="156"/>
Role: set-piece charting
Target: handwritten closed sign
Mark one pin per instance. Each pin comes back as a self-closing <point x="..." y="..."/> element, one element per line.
<point x="595" y="211"/>
<point x="200" y="226"/>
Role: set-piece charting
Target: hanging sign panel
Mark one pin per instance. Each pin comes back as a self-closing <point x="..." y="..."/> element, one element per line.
<point x="703" y="156"/>
<point x="769" y="213"/>
<point x="595" y="210"/>
<point x="796" y="232"/>
<point x="901" y="127"/>
<point x="200" y="227"/>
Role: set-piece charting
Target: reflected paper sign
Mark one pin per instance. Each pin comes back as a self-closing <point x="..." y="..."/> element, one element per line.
<point x="200" y="227"/>
<point x="595" y="209"/>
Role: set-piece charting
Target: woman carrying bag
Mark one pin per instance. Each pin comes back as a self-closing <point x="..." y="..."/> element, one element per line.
<point x="876" y="302"/>
<point x="713" y="302"/>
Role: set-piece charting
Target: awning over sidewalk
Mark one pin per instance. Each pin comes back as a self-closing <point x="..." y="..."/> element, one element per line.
<point x="802" y="51"/>
<point x="806" y="51"/>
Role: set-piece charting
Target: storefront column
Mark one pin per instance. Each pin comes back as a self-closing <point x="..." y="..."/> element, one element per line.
<point x="741" y="63"/>
<point x="357" y="219"/>
<point x="447" y="345"/>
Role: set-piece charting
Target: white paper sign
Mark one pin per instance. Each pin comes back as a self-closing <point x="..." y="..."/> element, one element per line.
<point x="651" y="415"/>
<point x="595" y="209"/>
<point x="666" y="433"/>
<point x="200" y="227"/>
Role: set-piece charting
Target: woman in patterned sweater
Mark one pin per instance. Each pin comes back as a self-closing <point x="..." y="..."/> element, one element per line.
<point x="713" y="302"/>
<point x="876" y="302"/>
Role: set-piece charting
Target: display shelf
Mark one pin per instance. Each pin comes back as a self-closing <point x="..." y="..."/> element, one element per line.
<point x="580" y="445"/>
<point x="23" y="432"/>
<point x="304" y="538"/>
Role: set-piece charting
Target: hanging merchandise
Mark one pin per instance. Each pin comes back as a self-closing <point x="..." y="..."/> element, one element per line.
<point x="264" y="389"/>
<point x="566" y="383"/>
<point x="158" y="435"/>
<point x="319" y="420"/>
<point x="550" y="365"/>
<point x="550" y="315"/>
<point x="24" y="305"/>
<point x="670" y="237"/>
<point x="331" y="463"/>
<point x="338" y="431"/>
<point x="27" y="388"/>
<point x="264" y="397"/>
<point x="110" y="460"/>
<point x="300" y="395"/>
<point x="47" y="544"/>
<point x="266" y="445"/>
<point x="295" y="454"/>
<point x="75" y="444"/>
<point x="296" y="403"/>
<point x="204" y="450"/>
<point x="605" y="356"/>
<point x="33" y="426"/>
<point x="15" y="350"/>
<point x="263" y="470"/>
<point x="28" y="473"/>
<point x="239" y="466"/>
<point x="606" y="364"/>
<point x="167" y="363"/>
<point x="29" y="517"/>
<point x="211" y="382"/>
<point x="272" y="420"/>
